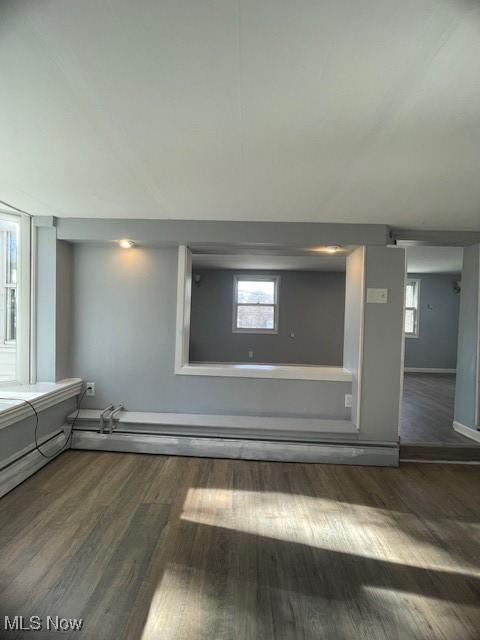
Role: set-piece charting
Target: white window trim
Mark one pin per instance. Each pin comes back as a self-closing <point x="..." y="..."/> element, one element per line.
<point x="182" y="343"/>
<point x="416" y="332"/>
<point x="275" y="304"/>
<point x="24" y="307"/>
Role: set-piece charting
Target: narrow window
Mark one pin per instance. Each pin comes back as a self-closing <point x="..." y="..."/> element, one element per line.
<point x="412" y="298"/>
<point x="255" y="304"/>
<point x="10" y="285"/>
<point x="14" y="298"/>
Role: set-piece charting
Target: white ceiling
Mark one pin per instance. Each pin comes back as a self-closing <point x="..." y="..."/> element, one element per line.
<point x="434" y="259"/>
<point x="269" y="262"/>
<point x="296" y="110"/>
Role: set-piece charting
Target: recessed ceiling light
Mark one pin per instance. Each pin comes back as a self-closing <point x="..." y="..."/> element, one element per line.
<point x="334" y="248"/>
<point x="126" y="244"/>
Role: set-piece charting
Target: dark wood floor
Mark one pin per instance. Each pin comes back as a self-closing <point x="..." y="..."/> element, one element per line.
<point x="427" y="410"/>
<point x="166" y="548"/>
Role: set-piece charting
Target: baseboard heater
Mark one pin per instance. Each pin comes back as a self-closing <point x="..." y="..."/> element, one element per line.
<point x="222" y="436"/>
<point x="195" y="424"/>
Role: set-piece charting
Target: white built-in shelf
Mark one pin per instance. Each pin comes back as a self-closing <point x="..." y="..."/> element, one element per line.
<point x="282" y="372"/>
<point x="41" y="395"/>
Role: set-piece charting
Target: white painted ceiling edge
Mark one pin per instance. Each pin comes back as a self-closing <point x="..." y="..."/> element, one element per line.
<point x="266" y="110"/>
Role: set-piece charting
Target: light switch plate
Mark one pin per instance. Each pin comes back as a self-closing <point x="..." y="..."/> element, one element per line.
<point x="377" y="296"/>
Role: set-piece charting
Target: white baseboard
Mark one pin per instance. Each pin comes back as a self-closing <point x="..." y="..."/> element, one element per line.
<point x="26" y="462"/>
<point x="207" y="447"/>
<point x="426" y="370"/>
<point x="468" y="432"/>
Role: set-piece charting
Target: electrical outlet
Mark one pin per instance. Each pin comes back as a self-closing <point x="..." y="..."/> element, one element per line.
<point x="90" y="389"/>
<point x="250" y="354"/>
<point x="348" y="400"/>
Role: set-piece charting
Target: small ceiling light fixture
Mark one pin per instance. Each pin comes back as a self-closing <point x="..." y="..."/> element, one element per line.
<point x="126" y="244"/>
<point x="331" y="249"/>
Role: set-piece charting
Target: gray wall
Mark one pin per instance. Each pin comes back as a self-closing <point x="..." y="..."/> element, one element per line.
<point x="467" y="385"/>
<point x="382" y="345"/>
<point x="436" y="345"/>
<point x="124" y="340"/>
<point x="64" y="311"/>
<point x="124" y="335"/>
<point x="54" y="271"/>
<point x="207" y="232"/>
<point x="46" y="270"/>
<point x="311" y="305"/>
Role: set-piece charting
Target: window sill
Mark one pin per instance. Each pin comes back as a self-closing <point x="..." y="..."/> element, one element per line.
<point x="259" y="332"/>
<point x="41" y="395"/>
<point x="281" y="372"/>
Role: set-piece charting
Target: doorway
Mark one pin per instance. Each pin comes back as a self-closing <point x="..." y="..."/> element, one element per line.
<point x="432" y="303"/>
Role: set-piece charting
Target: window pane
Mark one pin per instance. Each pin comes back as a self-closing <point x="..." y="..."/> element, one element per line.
<point x="8" y="297"/>
<point x="11" y="317"/>
<point x="410" y="296"/>
<point x="255" y="317"/>
<point x="256" y="291"/>
<point x="11" y="258"/>
<point x="409" y="321"/>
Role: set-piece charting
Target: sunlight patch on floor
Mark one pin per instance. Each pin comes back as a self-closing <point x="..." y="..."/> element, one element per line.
<point x="179" y="607"/>
<point x="323" y="524"/>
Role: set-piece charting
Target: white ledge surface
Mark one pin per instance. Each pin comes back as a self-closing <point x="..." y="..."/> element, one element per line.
<point x="218" y="420"/>
<point x="285" y="372"/>
<point x="189" y="424"/>
<point x="468" y="432"/>
<point x="41" y="395"/>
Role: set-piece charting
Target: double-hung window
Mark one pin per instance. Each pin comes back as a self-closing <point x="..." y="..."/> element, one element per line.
<point x="412" y="300"/>
<point x="14" y="298"/>
<point x="255" y="304"/>
<point x="9" y="285"/>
